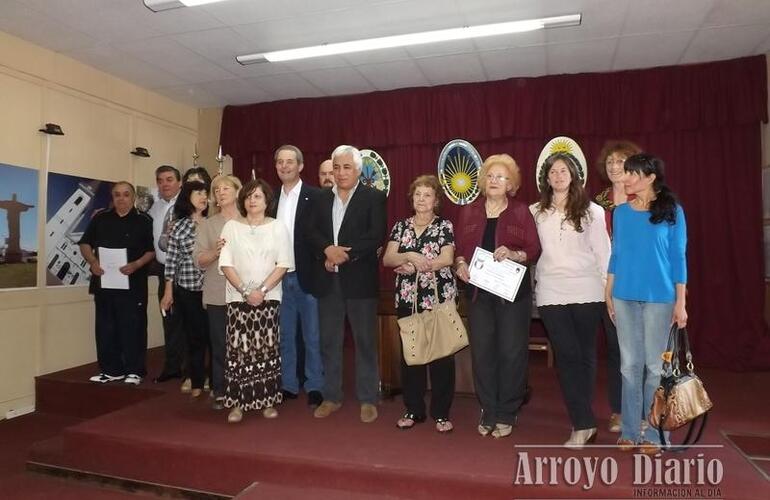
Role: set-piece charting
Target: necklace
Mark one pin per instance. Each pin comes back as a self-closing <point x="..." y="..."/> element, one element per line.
<point x="253" y="227"/>
<point x="494" y="211"/>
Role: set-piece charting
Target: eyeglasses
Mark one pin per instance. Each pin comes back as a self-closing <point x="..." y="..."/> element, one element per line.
<point x="498" y="178"/>
<point x="616" y="161"/>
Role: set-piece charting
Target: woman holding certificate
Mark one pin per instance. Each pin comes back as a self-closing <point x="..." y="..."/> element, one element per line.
<point x="499" y="328"/>
<point x="421" y="249"/>
<point x="570" y="279"/>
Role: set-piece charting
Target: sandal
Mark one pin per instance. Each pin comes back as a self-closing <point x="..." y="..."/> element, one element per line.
<point x="408" y="420"/>
<point x="485" y="430"/>
<point x="502" y="430"/>
<point x="444" y="426"/>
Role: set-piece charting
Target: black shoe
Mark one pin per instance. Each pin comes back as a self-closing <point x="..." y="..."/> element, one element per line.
<point x="314" y="399"/>
<point x="288" y="394"/>
<point x="163" y="377"/>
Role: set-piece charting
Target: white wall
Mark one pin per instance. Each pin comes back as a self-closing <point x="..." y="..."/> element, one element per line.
<point x="103" y="118"/>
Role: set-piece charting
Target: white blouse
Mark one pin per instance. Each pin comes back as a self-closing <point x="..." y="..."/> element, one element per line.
<point x="254" y="252"/>
<point x="572" y="268"/>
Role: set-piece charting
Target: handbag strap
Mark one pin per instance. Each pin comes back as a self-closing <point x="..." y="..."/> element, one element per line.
<point x="416" y="289"/>
<point x="688" y="439"/>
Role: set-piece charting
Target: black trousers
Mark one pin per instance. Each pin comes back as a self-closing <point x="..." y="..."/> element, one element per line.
<point x="614" y="380"/>
<point x="118" y="326"/>
<point x="217" y="322"/>
<point x="499" y="339"/>
<point x="414" y="382"/>
<point x="175" y="361"/>
<point x="572" y="331"/>
<point x="189" y="308"/>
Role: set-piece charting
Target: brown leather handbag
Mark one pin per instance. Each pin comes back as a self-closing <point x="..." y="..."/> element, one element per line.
<point x="432" y="334"/>
<point x="681" y="398"/>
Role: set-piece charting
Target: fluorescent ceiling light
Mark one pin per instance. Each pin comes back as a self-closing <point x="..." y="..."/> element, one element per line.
<point x="159" y="5"/>
<point x="193" y="3"/>
<point x="388" y="42"/>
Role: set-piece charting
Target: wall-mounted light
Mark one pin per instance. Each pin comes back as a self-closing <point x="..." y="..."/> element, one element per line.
<point x="140" y="151"/>
<point x="159" y="5"/>
<point x="424" y="37"/>
<point x="51" y="129"/>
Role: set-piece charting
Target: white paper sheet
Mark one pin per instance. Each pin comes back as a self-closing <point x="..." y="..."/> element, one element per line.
<point x="111" y="260"/>
<point x="500" y="278"/>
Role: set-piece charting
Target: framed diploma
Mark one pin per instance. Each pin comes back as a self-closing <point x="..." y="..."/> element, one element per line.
<point x="500" y="278"/>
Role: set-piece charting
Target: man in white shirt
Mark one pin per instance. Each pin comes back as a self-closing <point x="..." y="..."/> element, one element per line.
<point x="348" y="226"/>
<point x="169" y="182"/>
<point x="298" y="307"/>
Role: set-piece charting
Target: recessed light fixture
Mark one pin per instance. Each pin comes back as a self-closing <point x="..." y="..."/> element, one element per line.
<point x="412" y="39"/>
<point x="159" y="5"/>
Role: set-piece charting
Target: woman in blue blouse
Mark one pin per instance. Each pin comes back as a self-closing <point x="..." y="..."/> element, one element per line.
<point x="646" y="286"/>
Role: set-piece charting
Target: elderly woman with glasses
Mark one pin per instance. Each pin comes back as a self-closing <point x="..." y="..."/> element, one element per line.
<point x="609" y="166"/>
<point x="499" y="329"/>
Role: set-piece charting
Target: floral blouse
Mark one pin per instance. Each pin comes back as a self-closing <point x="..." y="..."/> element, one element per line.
<point x="437" y="235"/>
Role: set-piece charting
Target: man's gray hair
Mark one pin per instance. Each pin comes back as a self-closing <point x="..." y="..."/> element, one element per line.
<point x="355" y="153"/>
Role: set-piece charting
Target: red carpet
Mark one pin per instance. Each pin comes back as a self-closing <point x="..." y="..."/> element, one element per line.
<point x="171" y="440"/>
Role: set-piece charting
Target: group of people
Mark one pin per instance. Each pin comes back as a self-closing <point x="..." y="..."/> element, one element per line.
<point x="243" y="282"/>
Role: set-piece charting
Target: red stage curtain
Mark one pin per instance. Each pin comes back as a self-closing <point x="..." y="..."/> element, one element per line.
<point x="703" y="120"/>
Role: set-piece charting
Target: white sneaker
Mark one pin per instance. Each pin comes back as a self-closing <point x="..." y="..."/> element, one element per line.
<point x="133" y="379"/>
<point x="103" y="378"/>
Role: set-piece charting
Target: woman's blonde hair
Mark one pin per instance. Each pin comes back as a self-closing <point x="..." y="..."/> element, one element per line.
<point x="225" y="179"/>
<point x="507" y="161"/>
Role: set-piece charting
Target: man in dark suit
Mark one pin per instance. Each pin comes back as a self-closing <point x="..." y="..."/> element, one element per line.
<point x="295" y="202"/>
<point x="349" y="225"/>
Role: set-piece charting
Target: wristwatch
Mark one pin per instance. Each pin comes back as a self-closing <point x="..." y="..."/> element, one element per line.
<point x="263" y="289"/>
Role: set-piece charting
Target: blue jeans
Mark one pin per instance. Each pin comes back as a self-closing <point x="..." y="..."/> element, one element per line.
<point x="298" y="305"/>
<point x="642" y="334"/>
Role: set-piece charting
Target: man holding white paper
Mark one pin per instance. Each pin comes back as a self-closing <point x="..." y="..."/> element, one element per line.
<point x="118" y="245"/>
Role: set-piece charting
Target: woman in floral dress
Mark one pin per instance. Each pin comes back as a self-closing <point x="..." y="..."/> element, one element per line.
<point x="421" y="249"/>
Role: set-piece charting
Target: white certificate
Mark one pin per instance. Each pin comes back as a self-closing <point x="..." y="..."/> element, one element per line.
<point x="111" y="260"/>
<point x="500" y="278"/>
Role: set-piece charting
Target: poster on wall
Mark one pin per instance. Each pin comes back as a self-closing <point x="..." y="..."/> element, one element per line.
<point x="72" y="203"/>
<point x="18" y="227"/>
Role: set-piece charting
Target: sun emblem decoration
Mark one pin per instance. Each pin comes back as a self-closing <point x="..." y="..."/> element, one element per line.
<point x="458" y="171"/>
<point x="374" y="171"/>
<point x="565" y="145"/>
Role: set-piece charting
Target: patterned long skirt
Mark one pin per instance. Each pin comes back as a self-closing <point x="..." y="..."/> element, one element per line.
<point x="253" y="360"/>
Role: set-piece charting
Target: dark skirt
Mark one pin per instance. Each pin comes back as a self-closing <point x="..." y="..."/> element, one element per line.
<point x="253" y="360"/>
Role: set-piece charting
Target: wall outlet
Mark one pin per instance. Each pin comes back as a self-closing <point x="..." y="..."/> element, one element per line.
<point x="17" y="412"/>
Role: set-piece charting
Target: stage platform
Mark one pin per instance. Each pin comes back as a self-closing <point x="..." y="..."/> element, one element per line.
<point x="156" y="439"/>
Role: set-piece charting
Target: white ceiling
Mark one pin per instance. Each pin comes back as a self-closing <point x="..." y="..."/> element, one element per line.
<point x="188" y="54"/>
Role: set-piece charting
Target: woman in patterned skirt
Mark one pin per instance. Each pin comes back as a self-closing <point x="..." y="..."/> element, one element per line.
<point x="256" y="255"/>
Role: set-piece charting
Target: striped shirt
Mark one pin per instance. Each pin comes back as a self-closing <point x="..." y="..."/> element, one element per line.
<point x="180" y="267"/>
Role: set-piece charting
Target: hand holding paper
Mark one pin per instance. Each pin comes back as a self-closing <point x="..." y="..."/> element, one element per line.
<point x="112" y="260"/>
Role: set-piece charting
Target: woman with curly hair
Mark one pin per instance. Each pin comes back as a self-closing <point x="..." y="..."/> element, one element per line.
<point x="570" y="280"/>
